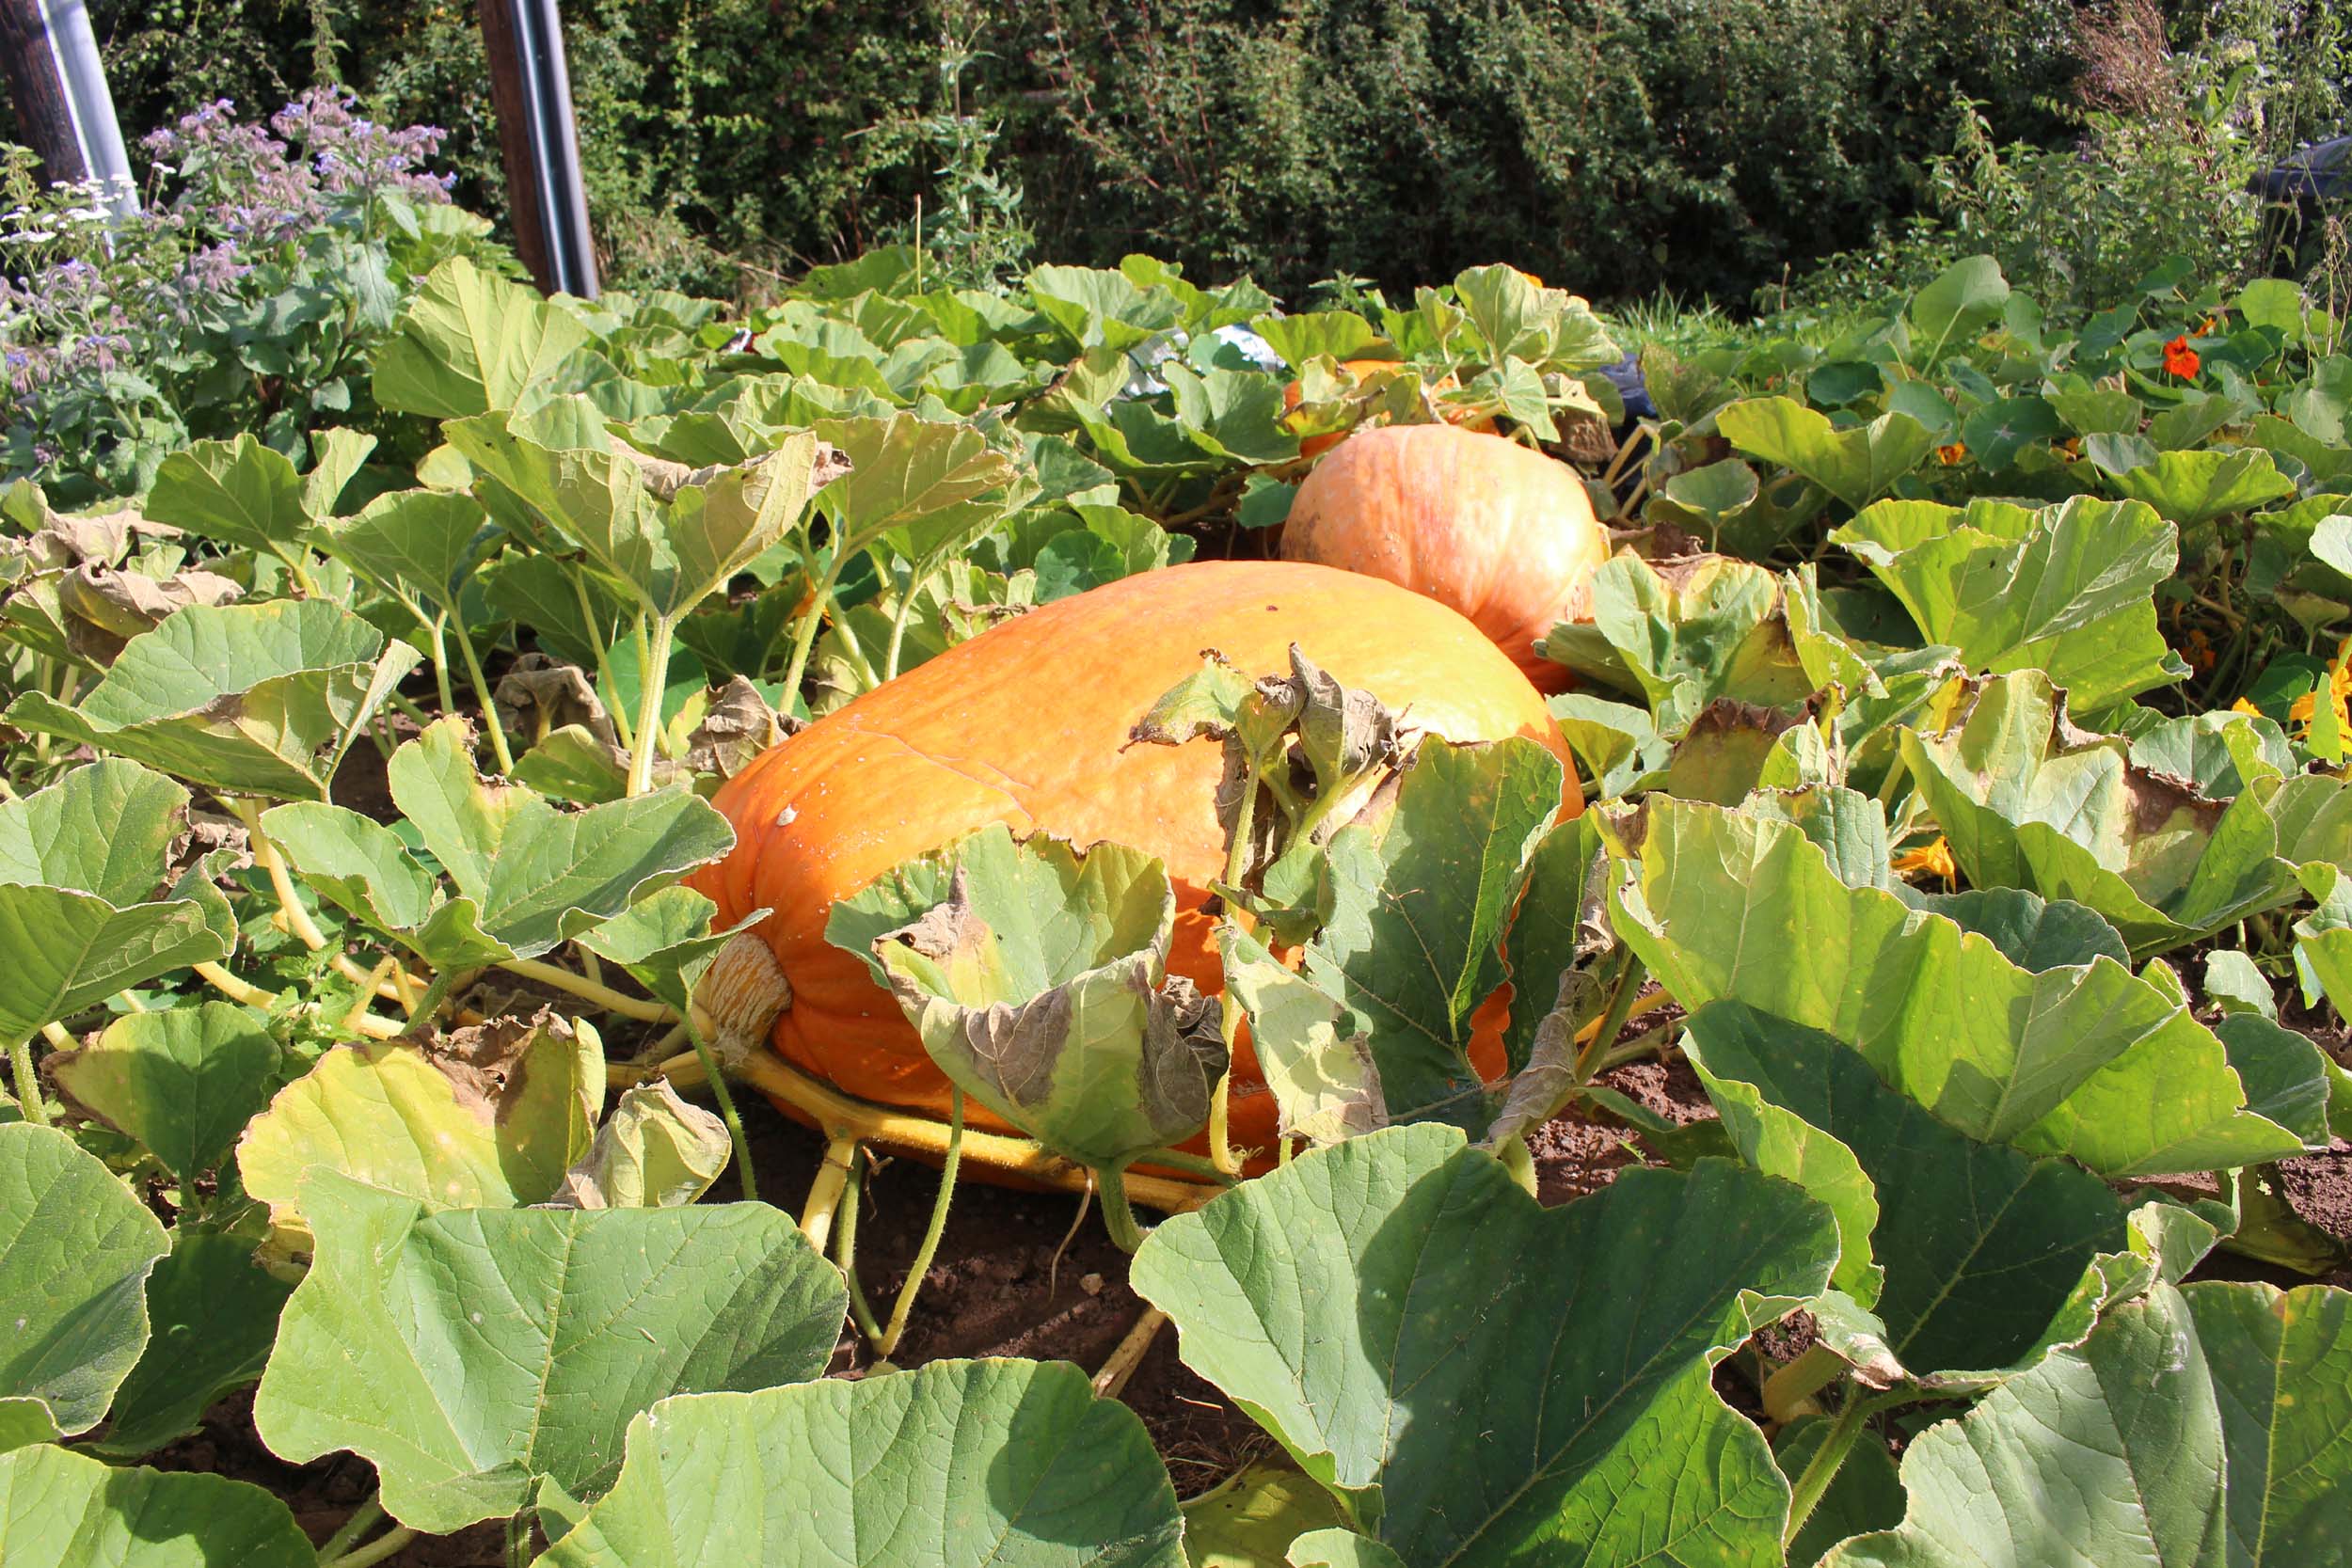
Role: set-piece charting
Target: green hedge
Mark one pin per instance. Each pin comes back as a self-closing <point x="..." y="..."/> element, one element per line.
<point x="1611" y="144"/>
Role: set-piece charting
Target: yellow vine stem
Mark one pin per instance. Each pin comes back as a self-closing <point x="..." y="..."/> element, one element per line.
<point x="824" y="1197"/>
<point x="1128" y="1354"/>
<point x="252" y="995"/>
<point x="842" y="1116"/>
<point x="643" y="1009"/>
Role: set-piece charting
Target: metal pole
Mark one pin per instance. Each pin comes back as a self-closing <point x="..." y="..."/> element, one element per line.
<point x="530" y="88"/>
<point x="58" y="84"/>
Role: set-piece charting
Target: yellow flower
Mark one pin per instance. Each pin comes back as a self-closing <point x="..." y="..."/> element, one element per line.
<point x="2339" y="690"/>
<point x="2242" y="706"/>
<point x="1935" y="859"/>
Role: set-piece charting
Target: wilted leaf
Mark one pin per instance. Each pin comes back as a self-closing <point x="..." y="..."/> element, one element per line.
<point x="654" y="1150"/>
<point x="995" y="1464"/>
<point x="491" y="1120"/>
<point x="1327" y="1298"/>
<point x="1321" y="1073"/>
<point x="1040" y="986"/>
<point x="465" y="1353"/>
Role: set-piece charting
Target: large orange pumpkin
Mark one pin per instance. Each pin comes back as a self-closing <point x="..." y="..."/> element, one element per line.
<point x="1481" y="524"/>
<point x="1027" y="724"/>
<point x="1294" y="393"/>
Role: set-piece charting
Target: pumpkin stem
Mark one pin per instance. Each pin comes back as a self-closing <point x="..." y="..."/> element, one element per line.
<point x="1118" y="1217"/>
<point x="740" y="998"/>
<point x="824" y="1198"/>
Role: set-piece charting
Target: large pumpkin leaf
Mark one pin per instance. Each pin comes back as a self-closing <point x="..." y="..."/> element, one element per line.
<point x="1685" y="633"/>
<point x="2192" y="488"/>
<point x="262" y="699"/>
<point x="2108" y="1453"/>
<point x="1419" y="903"/>
<point x="492" y="1116"/>
<point x="469" y="342"/>
<point x="213" y="1317"/>
<point x="183" y="1081"/>
<point x="1102" y="309"/>
<point x="466" y="1354"/>
<point x="1040" y="986"/>
<point x="239" y="492"/>
<point x="2085" y="1060"/>
<point x="2281" y="1368"/>
<point x="2025" y="800"/>
<point x="59" y="1509"/>
<point x="1530" y="1407"/>
<point x="909" y="482"/>
<point x="1983" y="1248"/>
<point x="75" y="1251"/>
<point x="954" y="1465"/>
<point x="79" y="861"/>
<point x="1856" y="466"/>
<point x="539" y="876"/>
<point x="1250" y="1518"/>
<point x="2070" y="593"/>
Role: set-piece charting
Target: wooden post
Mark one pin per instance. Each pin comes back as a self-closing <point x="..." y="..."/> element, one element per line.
<point x="59" y="88"/>
<point x="531" y="89"/>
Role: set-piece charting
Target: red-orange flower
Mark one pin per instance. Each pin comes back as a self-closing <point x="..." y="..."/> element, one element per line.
<point x="1951" y="453"/>
<point x="2204" y="326"/>
<point x="2180" y="359"/>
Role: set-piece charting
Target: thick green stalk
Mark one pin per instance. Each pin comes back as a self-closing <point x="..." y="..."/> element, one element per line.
<point x="597" y="641"/>
<point x="1612" y="1022"/>
<point x="390" y="1544"/>
<point x="650" y="676"/>
<point x="726" y="1098"/>
<point x="804" y="635"/>
<point x="28" y="1084"/>
<point x="905" y="1306"/>
<point x="436" y="645"/>
<point x="482" y="693"/>
<point x="362" y="1520"/>
<point x="519" y="1553"/>
<point x="1117" y="1218"/>
<point x="845" y="1251"/>
<point x="1822" y="1468"/>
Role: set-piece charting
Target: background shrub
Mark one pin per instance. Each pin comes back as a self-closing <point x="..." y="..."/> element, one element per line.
<point x="1619" y="145"/>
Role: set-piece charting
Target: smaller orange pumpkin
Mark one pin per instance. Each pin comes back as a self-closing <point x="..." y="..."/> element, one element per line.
<point x="1362" y="369"/>
<point x="1482" y="525"/>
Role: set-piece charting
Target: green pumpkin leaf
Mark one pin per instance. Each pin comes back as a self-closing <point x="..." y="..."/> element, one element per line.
<point x="418" y="546"/>
<point x="469" y="342"/>
<point x="1856" y="466"/>
<point x="2073" y="597"/>
<point x="467" y="1353"/>
<point x="213" y="1317"/>
<point x="1101" y="310"/>
<point x="2108" y="1453"/>
<point x="1251" y="1518"/>
<point x="997" y="1463"/>
<point x="261" y="699"/>
<point x="75" y="1251"/>
<point x="2089" y="1061"/>
<point x="1965" y="299"/>
<point x="654" y="1150"/>
<point x="2192" y="488"/>
<point x="1686" y="633"/>
<point x="239" y="493"/>
<point x="2281" y="1368"/>
<point x="911" y="484"/>
<point x="539" y="876"/>
<point x="182" y="1081"/>
<point x="1325" y="1084"/>
<point x="59" y="1509"/>
<point x="1326" y="1298"/>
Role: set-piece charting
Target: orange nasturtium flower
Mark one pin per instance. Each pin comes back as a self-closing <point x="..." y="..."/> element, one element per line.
<point x="2180" y="359"/>
<point x="1935" y="859"/>
<point x="2072" y="446"/>
<point x="2201" y="654"/>
<point x="2204" y="326"/>
<point x="1951" y="452"/>
<point x="2339" y="688"/>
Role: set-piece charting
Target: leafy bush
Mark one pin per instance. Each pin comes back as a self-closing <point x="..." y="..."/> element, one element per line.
<point x="246" y="295"/>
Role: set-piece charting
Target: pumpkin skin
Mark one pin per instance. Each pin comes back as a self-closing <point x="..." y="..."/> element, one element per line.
<point x="1481" y="524"/>
<point x="1027" y="724"/>
<point x="1313" y="445"/>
